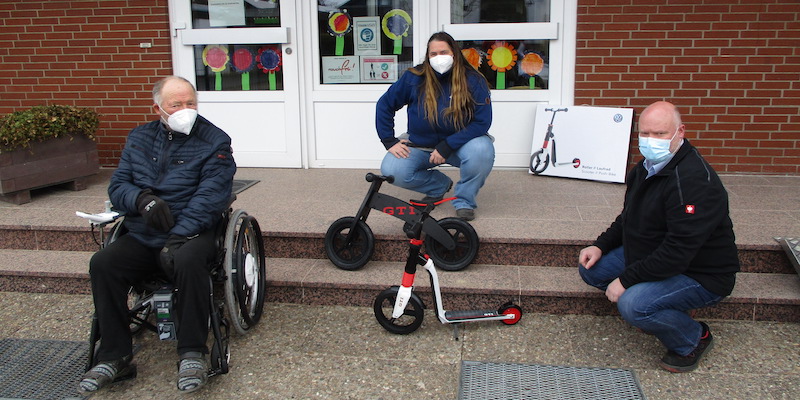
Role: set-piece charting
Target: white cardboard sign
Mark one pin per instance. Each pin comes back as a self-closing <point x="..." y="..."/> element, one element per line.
<point x="342" y="69"/>
<point x="581" y="142"/>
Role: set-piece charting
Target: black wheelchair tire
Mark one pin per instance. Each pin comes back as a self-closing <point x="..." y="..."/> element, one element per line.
<point x="350" y="256"/>
<point x="467" y="243"/>
<point x="244" y="246"/>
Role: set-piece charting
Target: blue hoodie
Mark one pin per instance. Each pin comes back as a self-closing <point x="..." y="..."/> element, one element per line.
<point x="444" y="136"/>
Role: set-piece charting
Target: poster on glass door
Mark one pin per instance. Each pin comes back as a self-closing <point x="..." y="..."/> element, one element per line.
<point x="581" y="142"/>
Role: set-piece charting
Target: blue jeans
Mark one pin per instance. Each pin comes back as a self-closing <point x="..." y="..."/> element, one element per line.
<point x="475" y="160"/>
<point x="658" y="307"/>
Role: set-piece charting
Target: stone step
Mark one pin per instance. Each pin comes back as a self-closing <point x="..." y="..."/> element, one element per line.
<point x="757" y="296"/>
<point x="542" y="252"/>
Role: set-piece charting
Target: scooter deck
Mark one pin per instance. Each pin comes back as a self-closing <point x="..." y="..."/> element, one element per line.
<point x="470" y="314"/>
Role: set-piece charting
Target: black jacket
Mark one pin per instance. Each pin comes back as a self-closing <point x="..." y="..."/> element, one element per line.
<point x="676" y="222"/>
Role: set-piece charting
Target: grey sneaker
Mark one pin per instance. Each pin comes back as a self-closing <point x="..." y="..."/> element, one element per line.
<point x="467" y="214"/>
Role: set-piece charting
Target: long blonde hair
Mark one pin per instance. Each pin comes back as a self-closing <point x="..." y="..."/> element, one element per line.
<point x="462" y="105"/>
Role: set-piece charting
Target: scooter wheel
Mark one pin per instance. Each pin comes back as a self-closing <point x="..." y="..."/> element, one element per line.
<point x="408" y="322"/>
<point x="511" y="309"/>
<point x="467" y="243"/>
<point x="356" y="253"/>
<point x="538" y="165"/>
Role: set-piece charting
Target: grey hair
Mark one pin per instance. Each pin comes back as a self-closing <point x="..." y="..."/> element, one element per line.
<point x="160" y="85"/>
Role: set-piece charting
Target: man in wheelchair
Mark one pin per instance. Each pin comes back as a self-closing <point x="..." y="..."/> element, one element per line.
<point x="173" y="183"/>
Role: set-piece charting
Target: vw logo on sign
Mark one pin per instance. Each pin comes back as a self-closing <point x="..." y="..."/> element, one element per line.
<point x="617" y="117"/>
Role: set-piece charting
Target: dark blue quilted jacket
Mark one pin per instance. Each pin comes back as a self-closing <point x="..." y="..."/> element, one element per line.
<point x="192" y="173"/>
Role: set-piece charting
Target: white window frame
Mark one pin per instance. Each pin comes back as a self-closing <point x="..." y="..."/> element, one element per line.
<point x="561" y="31"/>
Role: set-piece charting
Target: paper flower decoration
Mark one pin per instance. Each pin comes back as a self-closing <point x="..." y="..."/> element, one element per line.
<point x="269" y="61"/>
<point x="473" y="57"/>
<point x="532" y="64"/>
<point x="243" y="62"/>
<point x="216" y="57"/>
<point x="339" y="23"/>
<point x="502" y="57"/>
<point x="395" y="25"/>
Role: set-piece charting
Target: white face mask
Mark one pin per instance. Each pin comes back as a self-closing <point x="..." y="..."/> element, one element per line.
<point x="182" y="120"/>
<point x="441" y="63"/>
<point x="656" y="150"/>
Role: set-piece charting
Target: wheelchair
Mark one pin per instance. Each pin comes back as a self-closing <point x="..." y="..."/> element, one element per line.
<point x="238" y="286"/>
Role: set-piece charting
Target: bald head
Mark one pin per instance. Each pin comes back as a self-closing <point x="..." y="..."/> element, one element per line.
<point x="662" y="120"/>
<point x="169" y="85"/>
<point x="662" y="110"/>
<point x="172" y="94"/>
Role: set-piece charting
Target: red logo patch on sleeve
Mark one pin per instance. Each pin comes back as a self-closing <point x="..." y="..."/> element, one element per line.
<point x="690" y="209"/>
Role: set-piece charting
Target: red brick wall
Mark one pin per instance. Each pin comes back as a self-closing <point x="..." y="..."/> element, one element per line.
<point x="85" y="53"/>
<point x="731" y="66"/>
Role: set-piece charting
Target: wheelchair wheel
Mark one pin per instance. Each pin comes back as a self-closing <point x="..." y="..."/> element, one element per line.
<point x="353" y="255"/>
<point x="408" y="322"/>
<point x="245" y="270"/>
<point x="466" y="249"/>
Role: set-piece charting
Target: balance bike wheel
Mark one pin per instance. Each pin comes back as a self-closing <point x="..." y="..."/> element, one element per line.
<point x="467" y="243"/>
<point x="349" y="255"/>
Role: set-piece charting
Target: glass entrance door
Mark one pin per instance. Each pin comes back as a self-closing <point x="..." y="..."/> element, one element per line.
<point x="241" y="56"/>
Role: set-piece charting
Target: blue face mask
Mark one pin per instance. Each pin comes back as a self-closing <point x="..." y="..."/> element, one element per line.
<point x="656" y="150"/>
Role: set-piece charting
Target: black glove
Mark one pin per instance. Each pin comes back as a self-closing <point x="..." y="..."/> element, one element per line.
<point x="167" y="256"/>
<point x="155" y="211"/>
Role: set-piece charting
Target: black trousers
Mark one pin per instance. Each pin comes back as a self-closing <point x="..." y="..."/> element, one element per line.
<point x="118" y="266"/>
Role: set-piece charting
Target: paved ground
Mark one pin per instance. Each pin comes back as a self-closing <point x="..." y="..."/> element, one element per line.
<point x="330" y="352"/>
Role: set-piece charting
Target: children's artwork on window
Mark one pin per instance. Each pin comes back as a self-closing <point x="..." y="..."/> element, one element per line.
<point x="339" y="24"/>
<point x="531" y="65"/>
<point x="474" y="57"/>
<point x="396" y="24"/>
<point x="216" y="57"/>
<point x="243" y="62"/>
<point x="269" y="61"/>
<point x="502" y="57"/>
<point x="508" y="64"/>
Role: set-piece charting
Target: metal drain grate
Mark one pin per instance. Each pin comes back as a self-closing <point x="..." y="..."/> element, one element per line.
<point x="41" y="369"/>
<point x="486" y="381"/>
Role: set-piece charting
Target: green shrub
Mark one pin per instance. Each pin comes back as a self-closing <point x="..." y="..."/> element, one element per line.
<point x="37" y="124"/>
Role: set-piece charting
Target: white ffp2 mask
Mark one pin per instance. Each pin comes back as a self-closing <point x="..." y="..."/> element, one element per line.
<point x="441" y="63"/>
<point x="182" y="120"/>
